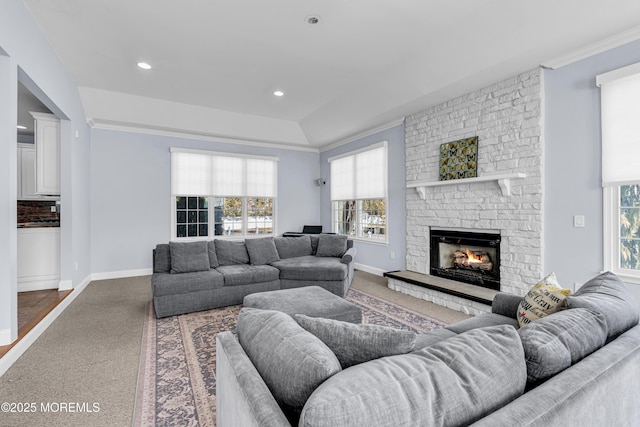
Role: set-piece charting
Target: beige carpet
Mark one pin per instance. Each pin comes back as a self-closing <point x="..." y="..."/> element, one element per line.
<point x="87" y="360"/>
<point x="90" y="355"/>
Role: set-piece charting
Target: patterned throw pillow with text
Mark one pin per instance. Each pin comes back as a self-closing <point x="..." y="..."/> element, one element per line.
<point x="546" y="297"/>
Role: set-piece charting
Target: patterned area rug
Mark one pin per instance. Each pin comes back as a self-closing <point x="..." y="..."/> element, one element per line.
<point x="177" y="379"/>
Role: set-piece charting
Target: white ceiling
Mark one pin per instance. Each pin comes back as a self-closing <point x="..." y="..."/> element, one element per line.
<point x="365" y="64"/>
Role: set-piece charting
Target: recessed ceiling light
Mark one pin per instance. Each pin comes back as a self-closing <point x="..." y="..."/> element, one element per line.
<point x="312" y="19"/>
<point x="278" y="93"/>
<point x="21" y="127"/>
<point x="144" y="65"/>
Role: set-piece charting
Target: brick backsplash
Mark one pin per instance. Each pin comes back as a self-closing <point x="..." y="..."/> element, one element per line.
<point x="36" y="211"/>
<point x="507" y="117"/>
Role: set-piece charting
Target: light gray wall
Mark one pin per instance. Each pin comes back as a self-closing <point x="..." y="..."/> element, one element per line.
<point x="573" y="165"/>
<point x="130" y="193"/>
<point x="376" y="256"/>
<point x="28" y="56"/>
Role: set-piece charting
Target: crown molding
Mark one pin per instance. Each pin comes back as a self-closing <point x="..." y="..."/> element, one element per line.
<point x="152" y="130"/>
<point x="363" y="134"/>
<point x="593" y="49"/>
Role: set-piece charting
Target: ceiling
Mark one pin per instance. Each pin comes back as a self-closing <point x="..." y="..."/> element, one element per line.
<point x="366" y="63"/>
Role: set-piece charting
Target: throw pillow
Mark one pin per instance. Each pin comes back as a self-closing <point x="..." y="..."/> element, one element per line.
<point x="444" y="384"/>
<point x="291" y="361"/>
<point x="609" y="295"/>
<point x="559" y="340"/>
<point x="331" y="245"/>
<point x="231" y="252"/>
<point x="357" y="343"/>
<point x="262" y="251"/>
<point x="213" y="258"/>
<point x="188" y="257"/>
<point x="544" y="298"/>
<point x="291" y="247"/>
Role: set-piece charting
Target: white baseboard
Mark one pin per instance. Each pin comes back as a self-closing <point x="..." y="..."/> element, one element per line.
<point x="65" y="285"/>
<point x="5" y="336"/>
<point x="369" y="269"/>
<point x="21" y="346"/>
<point x="122" y="274"/>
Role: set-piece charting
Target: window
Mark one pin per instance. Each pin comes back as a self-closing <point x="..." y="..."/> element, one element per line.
<point x="620" y="109"/>
<point x="215" y="194"/>
<point x="359" y="193"/>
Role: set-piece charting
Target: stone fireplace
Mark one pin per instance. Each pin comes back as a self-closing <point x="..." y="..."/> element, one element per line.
<point x="508" y="119"/>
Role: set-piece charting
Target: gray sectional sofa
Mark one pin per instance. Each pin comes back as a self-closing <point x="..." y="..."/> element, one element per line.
<point x="578" y="366"/>
<point x="201" y="275"/>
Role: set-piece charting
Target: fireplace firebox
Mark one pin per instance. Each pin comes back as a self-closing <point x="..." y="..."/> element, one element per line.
<point x="467" y="257"/>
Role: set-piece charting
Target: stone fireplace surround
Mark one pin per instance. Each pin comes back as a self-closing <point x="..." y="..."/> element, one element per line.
<point x="507" y="117"/>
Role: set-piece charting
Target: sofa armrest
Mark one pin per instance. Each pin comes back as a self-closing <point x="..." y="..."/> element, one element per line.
<point x="506" y="304"/>
<point x="349" y="256"/>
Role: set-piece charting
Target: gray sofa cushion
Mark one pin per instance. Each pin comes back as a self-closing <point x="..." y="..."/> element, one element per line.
<point x="481" y="321"/>
<point x="356" y="343"/>
<point x="291" y="361"/>
<point x="333" y="245"/>
<point x="231" y="252"/>
<point x="213" y="258"/>
<point x="188" y="257"/>
<point x="170" y="284"/>
<point x="262" y="251"/>
<point x="245" y="274"/>
<point x="609" y="295"/>
<point x="557" y="341"/>
<point x="444" y="384"/>
<point x="162" y="259"/>
<point x="312" y="268"/>
<point x="291" y="247"/>
<point x="432" y="337"/>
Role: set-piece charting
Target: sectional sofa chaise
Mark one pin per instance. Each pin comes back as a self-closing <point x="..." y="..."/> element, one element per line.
<point x="579" y="366"/>
<point x="201" y="275"/>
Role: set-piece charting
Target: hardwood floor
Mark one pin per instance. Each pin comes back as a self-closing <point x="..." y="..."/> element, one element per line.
<point x="32" y="308"/>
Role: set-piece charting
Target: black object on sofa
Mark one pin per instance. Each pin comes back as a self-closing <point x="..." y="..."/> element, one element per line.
<point x="201" y="275"/>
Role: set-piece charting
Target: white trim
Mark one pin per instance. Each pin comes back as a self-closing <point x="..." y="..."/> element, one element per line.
<point x="369" y="269"/>
<point x="65" y="285"/>
<point x="126" y="127"/>
<point x="222" y="154"/>
<point x="611" y="227"/>
<point x="363" y="134"/>
<point x="5" y="337"/>
<point x="360" y="150"/>
<point x="121" y="274"/>
<point x="37" y="285"/>
<point x="21" y="346"/>
<point x="593" y="49"/>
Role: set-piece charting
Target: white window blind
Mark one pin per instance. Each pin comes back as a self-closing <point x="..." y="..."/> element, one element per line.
<point x="214" y="174"/>
<point x="620" y="116"/>
<point x="360" y="175"/>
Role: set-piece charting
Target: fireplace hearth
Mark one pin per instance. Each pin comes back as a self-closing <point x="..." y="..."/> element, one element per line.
<point x="466" y="256"/>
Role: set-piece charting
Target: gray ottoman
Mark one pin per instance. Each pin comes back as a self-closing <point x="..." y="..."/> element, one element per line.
<point x="312" y="301"/>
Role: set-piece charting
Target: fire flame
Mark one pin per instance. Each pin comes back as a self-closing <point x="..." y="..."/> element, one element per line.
<point x="472" y="257"/>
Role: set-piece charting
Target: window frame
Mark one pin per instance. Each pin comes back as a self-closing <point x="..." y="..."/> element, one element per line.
<point x="246" y="234"/>
<point x="358" y="207"/>
<point x="611" y="231"/>
<point x="616" y="172"/>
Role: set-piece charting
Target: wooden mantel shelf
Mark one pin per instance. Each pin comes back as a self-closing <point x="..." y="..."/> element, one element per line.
<point x="504" y="180"/>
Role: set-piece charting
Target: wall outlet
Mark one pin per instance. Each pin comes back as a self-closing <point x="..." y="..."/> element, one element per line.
<point x="76" y="265"/>
<point x="392" y="255"/>
<point x="53" y="208"/>
<point x="578" y="221"/>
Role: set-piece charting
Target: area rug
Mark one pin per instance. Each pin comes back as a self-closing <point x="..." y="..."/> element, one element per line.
<point x="177" y="379"/>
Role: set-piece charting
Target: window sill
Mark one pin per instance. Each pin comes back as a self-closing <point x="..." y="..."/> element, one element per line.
<point x="627" y="277"/>
<point x="369" y="241"/>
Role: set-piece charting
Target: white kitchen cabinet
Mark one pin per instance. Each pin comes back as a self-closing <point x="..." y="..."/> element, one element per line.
<point x="38" y="258"/>
<point x="27" y="172"/>
<point x="47" y="144"/>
